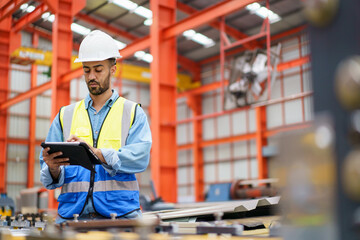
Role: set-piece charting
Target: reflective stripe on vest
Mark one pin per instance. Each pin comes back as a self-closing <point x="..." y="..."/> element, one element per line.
<point x="67" y="116"/>
<point x="126" y="122"/>
<point x="100" y="186"/>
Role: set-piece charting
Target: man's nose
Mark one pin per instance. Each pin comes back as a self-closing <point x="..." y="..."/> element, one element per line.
<point x="92" y="75"/>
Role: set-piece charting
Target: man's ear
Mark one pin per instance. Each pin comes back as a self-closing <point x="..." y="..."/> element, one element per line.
<point x="113" y="70"/>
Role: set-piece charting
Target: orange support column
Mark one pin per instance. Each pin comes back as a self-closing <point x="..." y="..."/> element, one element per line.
<point x="5" y="26"/>
<point x="62" y="42"/>
<point x="261" y="141"/>
<point x="32" y="121"/>
<point x="163" y="97"/>
<point x="195" y="104"/>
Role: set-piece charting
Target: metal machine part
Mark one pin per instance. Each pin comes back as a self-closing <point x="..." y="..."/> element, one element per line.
<point x="7" y="205"/>
<point x="351" y="175"/>
<point x="120" y="224"/>
<point x="347" y="82"/>
<point x="247" y="189"/>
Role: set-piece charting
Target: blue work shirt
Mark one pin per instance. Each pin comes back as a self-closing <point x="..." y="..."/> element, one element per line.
<point x="131" y="158"/>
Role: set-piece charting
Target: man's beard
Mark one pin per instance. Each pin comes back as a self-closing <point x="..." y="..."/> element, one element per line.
<point x="101" y="89"/>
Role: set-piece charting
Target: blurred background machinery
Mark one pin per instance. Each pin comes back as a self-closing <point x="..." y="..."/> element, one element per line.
<point x="242" y="189"/>
<point x="249" y="73"/>
<point x="7" y="205"/>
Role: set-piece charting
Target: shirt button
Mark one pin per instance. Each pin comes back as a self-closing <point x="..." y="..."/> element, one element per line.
<point x="96" y="132"/>
<point x="94" y="113"/>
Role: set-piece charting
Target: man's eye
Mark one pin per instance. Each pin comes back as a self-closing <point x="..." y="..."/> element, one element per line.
<point x="98" y="70"/>
<point x="86" y="71"/>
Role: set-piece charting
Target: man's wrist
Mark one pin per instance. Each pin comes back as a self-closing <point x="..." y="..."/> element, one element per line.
<point x="55" y="172"/>
<point x="100" y="155"/>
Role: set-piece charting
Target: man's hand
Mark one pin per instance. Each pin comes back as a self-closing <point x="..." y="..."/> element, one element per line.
<point x="54" y="163"/>
<point x="74" y="138"/>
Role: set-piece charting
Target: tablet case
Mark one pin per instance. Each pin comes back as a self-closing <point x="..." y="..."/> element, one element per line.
<point x="79" y="153"/>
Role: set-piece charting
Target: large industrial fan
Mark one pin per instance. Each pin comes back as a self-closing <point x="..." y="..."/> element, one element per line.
<point x="249" y="73"/>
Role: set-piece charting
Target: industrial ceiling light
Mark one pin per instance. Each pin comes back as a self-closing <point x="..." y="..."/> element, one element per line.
<point x="148" y="22"/>
<point x="146" y="57"/>
<point x="80" y="29"/>
<point x="26" y="7"/>
<point x="144" y="12"/>
<point x="263" y="12"/>
<point x="30" y="8"/>
<point x="47" y="16"/>
<point x="199" y="38"/>
<point x="129" y="5"/>
<point x="133" y="7"/>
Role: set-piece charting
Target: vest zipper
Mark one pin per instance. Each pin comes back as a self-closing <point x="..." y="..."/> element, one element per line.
<point x="92" y="174"/>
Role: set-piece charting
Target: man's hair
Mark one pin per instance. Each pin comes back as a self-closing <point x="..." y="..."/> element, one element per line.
<point x="112" y="61"/>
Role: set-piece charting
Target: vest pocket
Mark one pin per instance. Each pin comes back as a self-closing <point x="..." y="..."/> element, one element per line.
<point x="119" y="195"/>
<point x="84" y="133"/>
<point x="70" y="173"/>
<point x="114" y="143"/>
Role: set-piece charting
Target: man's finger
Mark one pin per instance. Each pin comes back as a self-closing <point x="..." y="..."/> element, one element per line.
<point x="56" y="154"/>
<point x="61" y="160"/>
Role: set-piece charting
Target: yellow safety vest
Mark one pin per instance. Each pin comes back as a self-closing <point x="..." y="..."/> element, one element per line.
<point x="114" y="129"/>
<point x="110" y="194"/>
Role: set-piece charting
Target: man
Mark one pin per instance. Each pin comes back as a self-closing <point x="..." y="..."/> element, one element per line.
<point x="117" y="131"/>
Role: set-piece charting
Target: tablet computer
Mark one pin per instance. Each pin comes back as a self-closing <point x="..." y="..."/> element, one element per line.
<point x="79" y="153"/>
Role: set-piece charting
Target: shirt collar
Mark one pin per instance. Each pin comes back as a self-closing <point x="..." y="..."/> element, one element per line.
<point x="109" y="102"/>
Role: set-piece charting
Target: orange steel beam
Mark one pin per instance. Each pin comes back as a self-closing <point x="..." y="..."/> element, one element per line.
<point x="22" y="141"/>
<point x="204" y="16"/>
<point x="9" y="7"/>
<point x="105" y="26"/>
<point x="62" y="40"/>
<point x="205" y="88"/>
<point x="5" y="35"/>
<point x="261" y="141"/>
<point x="32" y="123"/>
<point x="195" y="104"/>
<point x="233" y="32"/>
<point x="163" y="95"/>
<point x="53" y="5"/>
<point x="293" y="63"/>
<point x="185" y="146"/>
<point x="23" y="96"/>
<point x="47" y="35"/>
<point x="191" y="66"/>
<point x="247" y="136"/>
<point x="30" y="17"/>
<point x="40" y="32"/>
<point x="272" y="132"/>
<point x="138" y="45"/>
<point x="228" y="140"/>
<point x="289" y="32"/>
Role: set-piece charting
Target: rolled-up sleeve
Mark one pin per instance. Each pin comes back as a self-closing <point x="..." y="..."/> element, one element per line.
<point x="54" y="135"/>
<point x="134" y="156"/>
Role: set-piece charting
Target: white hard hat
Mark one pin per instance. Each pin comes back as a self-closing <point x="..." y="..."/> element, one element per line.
<point x="97" y="46"/>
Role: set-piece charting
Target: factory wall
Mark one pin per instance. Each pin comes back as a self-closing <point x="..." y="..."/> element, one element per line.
<point x="222" y="163"/>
